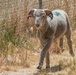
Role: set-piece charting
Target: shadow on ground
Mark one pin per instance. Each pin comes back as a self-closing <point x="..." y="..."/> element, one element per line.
<point x="51" y="70"/>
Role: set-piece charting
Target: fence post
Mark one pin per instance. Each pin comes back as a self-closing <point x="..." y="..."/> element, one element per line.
<point x="40" y="4"/>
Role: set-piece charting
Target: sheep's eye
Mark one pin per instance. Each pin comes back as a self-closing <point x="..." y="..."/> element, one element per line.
<point x="43" y="16"/>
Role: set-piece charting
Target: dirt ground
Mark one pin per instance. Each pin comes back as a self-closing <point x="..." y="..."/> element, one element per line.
<point x="61" y="64"/>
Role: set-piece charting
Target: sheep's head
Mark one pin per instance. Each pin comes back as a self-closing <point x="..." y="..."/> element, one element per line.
<point x="40" y="16"/>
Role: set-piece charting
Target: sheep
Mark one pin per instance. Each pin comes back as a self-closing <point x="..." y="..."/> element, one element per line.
<point x="51" y="25"/>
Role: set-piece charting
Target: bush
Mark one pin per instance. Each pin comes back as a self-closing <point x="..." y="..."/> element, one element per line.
<point x="8" y="37"/>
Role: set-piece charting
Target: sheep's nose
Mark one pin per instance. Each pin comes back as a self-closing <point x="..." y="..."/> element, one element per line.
<point x="37" y="25"/>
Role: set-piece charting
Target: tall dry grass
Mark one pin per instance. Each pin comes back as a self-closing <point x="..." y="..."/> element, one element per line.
<point x="17" y="35"/>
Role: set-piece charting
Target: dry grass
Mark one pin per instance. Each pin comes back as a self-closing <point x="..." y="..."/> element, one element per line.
<point x="27" y="57"/>
<point x="61" y="64"/>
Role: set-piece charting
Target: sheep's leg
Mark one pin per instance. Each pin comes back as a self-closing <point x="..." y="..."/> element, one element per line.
<point x="69" y="41"/>
<point x="47" y="56"/>
<point x="43" y="53"/>
<point x="61" y="44"/>
<point x="47" y="60"/>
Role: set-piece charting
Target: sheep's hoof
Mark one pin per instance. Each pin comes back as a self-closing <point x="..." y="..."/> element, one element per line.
<point x="72" y="54"/>
<point x="39" y="67"/>
<point x="47" y="67"/>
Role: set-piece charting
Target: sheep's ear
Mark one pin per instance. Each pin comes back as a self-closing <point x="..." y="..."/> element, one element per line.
<point x="49" y="13"/>
<point x="30" y="14"/>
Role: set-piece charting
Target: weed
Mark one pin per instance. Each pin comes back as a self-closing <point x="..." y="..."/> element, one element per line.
<point x="8" y="39"/>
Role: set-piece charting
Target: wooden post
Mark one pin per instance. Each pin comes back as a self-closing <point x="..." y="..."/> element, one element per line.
<point x="40" y="4"/>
